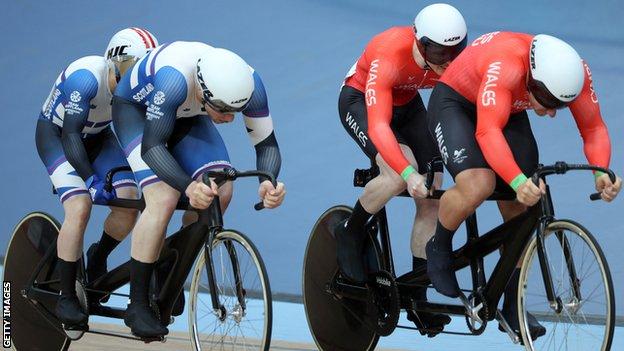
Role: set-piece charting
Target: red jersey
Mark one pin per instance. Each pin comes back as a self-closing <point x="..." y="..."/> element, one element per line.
<point x="388" y="76"/>
<point x="492" y="73"/>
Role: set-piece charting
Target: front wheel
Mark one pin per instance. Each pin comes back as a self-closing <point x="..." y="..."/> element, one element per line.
<point x="583" y="315"/>
<point x="243" y="320"/>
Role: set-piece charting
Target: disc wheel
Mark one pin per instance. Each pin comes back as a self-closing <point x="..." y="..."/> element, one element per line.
<point x="32" y="328"/>
<point x="336" y="325"/>
<point x="583" y="315"/>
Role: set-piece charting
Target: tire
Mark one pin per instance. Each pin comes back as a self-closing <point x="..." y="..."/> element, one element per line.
<point x="577" y="321"/>
<point x="257" y="292"/>
<point x="32" y="237"/>
<point x="331" y="322"/>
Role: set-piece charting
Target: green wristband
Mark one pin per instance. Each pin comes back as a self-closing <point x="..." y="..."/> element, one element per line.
<point x="597" y="174"/>
<point x="517" y="181"/>
<point x="407" y="171"/>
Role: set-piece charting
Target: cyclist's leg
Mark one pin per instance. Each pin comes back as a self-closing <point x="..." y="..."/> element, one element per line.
<point x="452" y="121"/>
<point x="149" y="231"/>
<point x="197" y="145"/>
<point x="119" y="221"/>
<point x="350" y="232"/>
<point x="76" y="202"/>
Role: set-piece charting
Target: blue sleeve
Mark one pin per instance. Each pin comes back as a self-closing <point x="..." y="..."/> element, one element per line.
<point x="78" y="91"/>
<point x="259" y="104"/>
<point x="169" y="93"/>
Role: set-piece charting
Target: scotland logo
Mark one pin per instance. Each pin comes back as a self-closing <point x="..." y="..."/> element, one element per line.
<point x="75" y="96"/>
<point x="159" y="98"/>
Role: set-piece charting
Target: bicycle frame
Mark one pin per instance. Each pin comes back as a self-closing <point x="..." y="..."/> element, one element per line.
<point x="513" y="235"/>
<point x="184" y="246"/>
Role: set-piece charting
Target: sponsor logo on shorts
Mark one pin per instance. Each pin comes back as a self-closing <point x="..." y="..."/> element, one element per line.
<point x="356" y="129"/>
<point x="489" y="95"/>
<point x="459" y="155"/>
<point x="440" y="138"/>
<point x="383" y="281"/>
<point x="75" y="96"/>
<point x="159" y="97"/>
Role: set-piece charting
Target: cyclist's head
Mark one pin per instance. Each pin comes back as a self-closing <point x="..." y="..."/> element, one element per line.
<point x="556" y="73"/>
<point x="126" y="47"/>
<point x="441" y="34"/>
<point x="225" y="81"/>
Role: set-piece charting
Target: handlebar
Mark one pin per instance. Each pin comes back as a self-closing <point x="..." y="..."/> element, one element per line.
<point x="561" y="167"/>
<point x="221" y="176"/>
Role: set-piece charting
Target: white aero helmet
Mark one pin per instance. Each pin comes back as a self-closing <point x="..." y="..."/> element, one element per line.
<point x="225" y="79"/>
<point x="441" y="33"/>
<point x="556" y="73"/>
<point x="127" y="46"/>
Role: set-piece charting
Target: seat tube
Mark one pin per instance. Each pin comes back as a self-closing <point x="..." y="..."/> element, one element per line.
<point x="476" y="263"/>
<point x="382" y="221"/>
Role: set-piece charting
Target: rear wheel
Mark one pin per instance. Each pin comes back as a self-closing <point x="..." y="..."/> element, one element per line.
<point x="583" y="317"/>
<point x="334" y="324"/>
<point x="33" y="327"/>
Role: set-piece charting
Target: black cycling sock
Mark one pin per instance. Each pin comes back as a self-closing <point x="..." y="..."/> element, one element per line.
<point x="140" y="276"/>
<point x="357" y="220"/>
<point x="443" y="237"/>
<point x="418" y="262"/>
<point x="67" y="271"/>
<point x="106" y="245"/>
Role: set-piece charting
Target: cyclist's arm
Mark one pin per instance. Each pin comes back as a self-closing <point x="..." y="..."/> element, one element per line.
<point x="493" y="110"/>
<point x="586" y="112"/>
<point x="159" y="124"/>
<point x="378" y="95"/>
<point x="79" y="88"/>
<point x="259" y="126"/>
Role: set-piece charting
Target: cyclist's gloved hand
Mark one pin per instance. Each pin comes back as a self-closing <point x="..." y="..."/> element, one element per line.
<point x="529" y="194"/>
<point x="608" y="190"/>
<point x="96" y="188"/>
<point x="416" y="186"/>
<point x="271" y="196"/>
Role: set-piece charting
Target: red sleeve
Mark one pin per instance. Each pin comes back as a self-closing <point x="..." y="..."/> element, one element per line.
<point x="381" y="76"/>
<point x="586" y="112"/>
<point x="493" y="110"/>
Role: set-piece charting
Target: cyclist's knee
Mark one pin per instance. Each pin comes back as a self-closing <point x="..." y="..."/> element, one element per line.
<point x="78" y="209"/>
<point x="475" y="185"/>
<point x="160" y="198"/>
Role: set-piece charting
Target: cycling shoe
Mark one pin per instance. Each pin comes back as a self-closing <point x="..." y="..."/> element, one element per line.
<point x="143" y="322"/>
<point x="70" y="313"/>
<point x="439" y="270"/>
<point x="349" y="251"/>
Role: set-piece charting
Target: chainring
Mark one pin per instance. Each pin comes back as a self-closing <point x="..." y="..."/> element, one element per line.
<point x="476" y="299"/>
<point x="384" y="303"/>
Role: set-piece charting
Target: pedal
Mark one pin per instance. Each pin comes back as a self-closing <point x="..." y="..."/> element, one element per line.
<point x="503" y="322"/>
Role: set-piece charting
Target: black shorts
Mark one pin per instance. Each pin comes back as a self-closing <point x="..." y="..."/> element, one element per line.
<point x="409" y="124"/>
<point x="452" y="122"/>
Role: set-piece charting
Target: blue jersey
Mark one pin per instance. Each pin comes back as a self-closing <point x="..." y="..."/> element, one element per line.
<point x="81" y="92"/>
<point x="164" y="83"/>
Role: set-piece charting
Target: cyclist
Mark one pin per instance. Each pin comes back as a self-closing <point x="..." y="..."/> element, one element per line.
<point x="477" y="114"/>
<point x="159" y="113"/>
<point x="381" y="110"/>
<point x="75" y="142"/>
